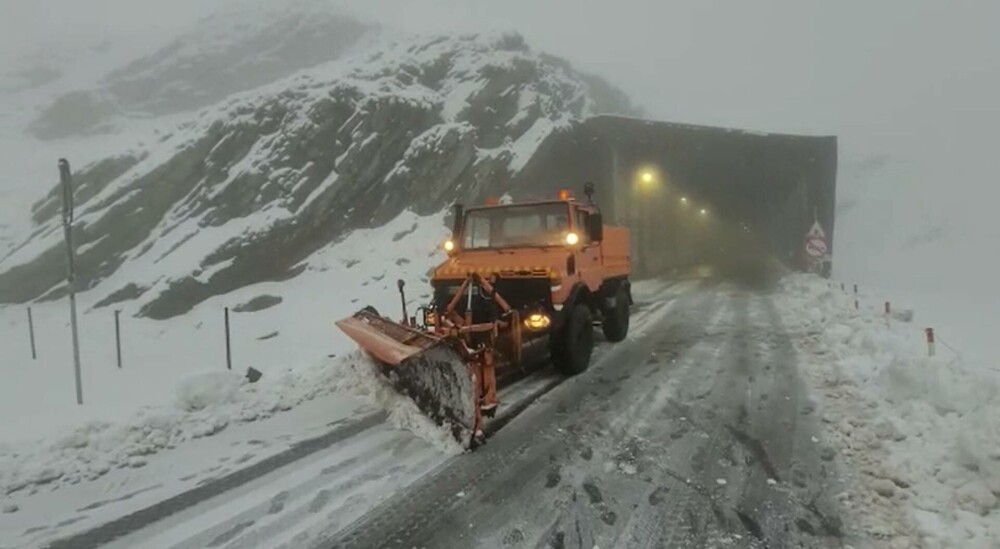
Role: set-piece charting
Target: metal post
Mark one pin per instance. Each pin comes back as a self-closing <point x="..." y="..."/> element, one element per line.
<point x="31" y="334"/>
<point x="641" y="225"/>
<point x="402" y="296"/>
<point x="66" y="178"/>
<point x="229" y="352"/>
<point x="118" y="338"/>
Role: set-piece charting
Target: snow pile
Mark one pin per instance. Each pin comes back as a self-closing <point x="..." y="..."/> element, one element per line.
<point x="93" y="449"/>
<point x="924" y="432"/>
<point x="200" y="391"/>
<point x="207" y="403"/>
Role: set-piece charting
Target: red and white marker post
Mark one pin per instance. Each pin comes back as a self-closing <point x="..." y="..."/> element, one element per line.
<point x="930" y="341"/>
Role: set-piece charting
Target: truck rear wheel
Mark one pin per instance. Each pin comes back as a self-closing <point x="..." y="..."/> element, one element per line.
<point x="574" y="343"/>
<point x="615" y="324"/>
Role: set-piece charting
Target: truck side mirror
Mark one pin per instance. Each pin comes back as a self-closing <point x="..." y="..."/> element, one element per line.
<point x="595" y="227"/>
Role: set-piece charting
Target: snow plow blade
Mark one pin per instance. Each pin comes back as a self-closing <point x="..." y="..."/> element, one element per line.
<point x="421" y="366"/>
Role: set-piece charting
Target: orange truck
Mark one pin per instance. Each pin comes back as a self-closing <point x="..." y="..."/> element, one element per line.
<point x="520" y="279"/>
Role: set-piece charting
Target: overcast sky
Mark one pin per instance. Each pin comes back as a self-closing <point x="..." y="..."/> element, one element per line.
<point x="880" y="74"/>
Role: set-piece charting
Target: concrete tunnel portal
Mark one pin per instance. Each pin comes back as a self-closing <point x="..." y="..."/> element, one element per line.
<point x="697" y="196"/>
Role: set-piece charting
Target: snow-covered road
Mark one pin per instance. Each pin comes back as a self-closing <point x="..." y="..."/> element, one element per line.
<point x="301" y="475"/>
<point x="696" y="431"/>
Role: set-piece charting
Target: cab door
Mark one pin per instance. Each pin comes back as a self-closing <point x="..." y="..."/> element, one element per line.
<point x="588" y="256"/>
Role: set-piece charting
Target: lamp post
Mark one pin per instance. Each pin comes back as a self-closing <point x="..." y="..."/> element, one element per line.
<point x="646" y="181"/>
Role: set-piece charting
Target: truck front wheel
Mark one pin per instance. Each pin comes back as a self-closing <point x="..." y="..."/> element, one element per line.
<point x="574" y="343"/>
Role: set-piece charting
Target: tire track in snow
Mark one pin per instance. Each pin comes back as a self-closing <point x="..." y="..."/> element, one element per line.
<point x="138" y="520"/>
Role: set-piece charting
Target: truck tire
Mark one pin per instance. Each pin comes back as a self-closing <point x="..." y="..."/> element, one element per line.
<point x="615" y="324"/>
<point x="573" y="345"/>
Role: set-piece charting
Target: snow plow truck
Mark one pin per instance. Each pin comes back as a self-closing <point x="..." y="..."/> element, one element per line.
<point x="521" y="281"/>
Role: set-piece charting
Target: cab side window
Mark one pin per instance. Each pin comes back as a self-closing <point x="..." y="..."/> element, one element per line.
<point x="581" y="226"/>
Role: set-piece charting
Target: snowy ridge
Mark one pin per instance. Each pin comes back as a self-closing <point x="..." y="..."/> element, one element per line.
<point x="240" y="47"/>
<point x="922" y="431"/>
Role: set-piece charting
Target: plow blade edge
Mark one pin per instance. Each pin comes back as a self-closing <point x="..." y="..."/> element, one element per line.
<point x="421" y="366"/>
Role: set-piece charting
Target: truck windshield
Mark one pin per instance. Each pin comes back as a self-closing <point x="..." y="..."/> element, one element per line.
<point x="512" y="226"/>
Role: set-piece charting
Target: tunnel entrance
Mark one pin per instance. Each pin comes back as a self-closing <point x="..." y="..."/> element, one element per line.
<point x="698" y="197"/>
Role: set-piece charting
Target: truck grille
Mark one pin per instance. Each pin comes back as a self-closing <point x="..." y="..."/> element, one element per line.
<point x="523" y="294"/>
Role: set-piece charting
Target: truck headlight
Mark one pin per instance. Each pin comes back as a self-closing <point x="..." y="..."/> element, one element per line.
<point x="537" y="321"/>
<point x="572" y="239"/>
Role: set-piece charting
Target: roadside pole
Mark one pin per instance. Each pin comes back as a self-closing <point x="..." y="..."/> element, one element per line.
<point x="229" y="349"/>
<point x="118" y="338"/>
<point x="31" y="334"/>
<point x="66" y="179"/>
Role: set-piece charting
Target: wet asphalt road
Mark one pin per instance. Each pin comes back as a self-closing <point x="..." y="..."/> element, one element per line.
<point x="696" y="432"/>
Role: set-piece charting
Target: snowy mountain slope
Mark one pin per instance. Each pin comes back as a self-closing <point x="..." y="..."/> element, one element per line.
<point x="283" y="327"/>
<point x="108" y="95"/>
<point x="904" y="230"/>
<point x="246" y="190"/>
<point x="237" y="49"/>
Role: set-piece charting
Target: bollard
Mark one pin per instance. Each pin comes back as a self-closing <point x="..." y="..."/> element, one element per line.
<point x="856" y="305"/>
<point x="229" y="352"/>
<point x="842" y="288"/>
<point x="888" y="308"/>
<point x="930" y="341"/>
<point x="118" y="338"/>
<point x="31" y="334"/>
<point x="855" y="289"/>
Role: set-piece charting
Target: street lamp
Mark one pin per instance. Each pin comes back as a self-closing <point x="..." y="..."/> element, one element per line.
<point x="704" y="211"/>
<point x="684" y="200"/>
<point x="647" y="177"/>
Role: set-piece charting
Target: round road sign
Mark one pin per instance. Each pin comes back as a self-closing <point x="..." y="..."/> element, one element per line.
<point x="815" y="247"/>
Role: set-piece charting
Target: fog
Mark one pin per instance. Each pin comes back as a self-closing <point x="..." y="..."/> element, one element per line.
<point x="871" y="73"/>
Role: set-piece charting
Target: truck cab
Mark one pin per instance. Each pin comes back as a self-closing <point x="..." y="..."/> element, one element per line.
<point x="554" y="261"/>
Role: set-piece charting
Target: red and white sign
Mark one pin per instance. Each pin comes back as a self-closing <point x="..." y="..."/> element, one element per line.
<point x="816" y="246"/>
